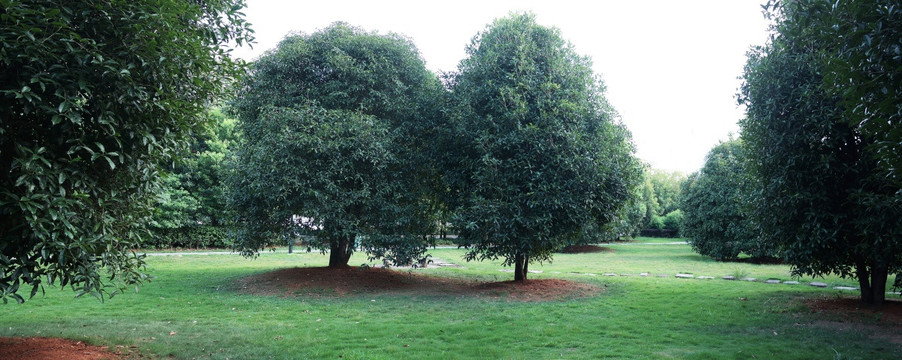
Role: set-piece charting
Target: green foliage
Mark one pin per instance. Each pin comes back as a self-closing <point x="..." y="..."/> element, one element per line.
<point x="539" y="152"/>
<point x="864" y="67"/>
<point x="715" y="203"/>
<point x="190" y="237"/>
<point x="334" y="127"/>
<point x="93" y="96"/>
<point x="673" y="220"/>
<point x="667" y="191"/>
<point x="824" y="199"/>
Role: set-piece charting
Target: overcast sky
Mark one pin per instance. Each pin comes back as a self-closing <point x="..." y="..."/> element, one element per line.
<point x="670" y="67"/>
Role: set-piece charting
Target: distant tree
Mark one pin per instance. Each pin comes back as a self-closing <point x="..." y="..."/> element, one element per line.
<point x="716" y="220"/>
<point x="825" y="199"/>
<point x="540" y="152"/>
<point x="335" y="125"/>
<point x="666" y="186"/>
<point x="193" y="200"/>
<point x="94" y="95"/>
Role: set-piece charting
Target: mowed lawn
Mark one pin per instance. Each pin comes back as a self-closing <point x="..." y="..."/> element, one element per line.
<point x="192" y="310"/>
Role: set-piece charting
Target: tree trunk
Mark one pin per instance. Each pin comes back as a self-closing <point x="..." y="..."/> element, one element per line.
<point x="878" y="285"/>
<point x="864" y="277"/>
<point x="872" y="282"/>
<point x="521" y="267"/>
<point x="340" y="251"/>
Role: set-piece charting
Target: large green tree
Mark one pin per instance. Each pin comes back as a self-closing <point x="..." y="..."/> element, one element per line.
<point x="824" y="200"/>
<point x="714" y="200"/>
<point x="541" y="153"/>
<point x="94" y="95"/>
<point x="335" y="127"/>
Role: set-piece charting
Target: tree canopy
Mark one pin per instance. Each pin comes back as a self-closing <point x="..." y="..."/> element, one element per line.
<point x="715" y="200"/>
<point x="334" y="125"/>
<point x="540" y="152"/>
<point x="824" y="200"/>
<point x="93" y="96"/>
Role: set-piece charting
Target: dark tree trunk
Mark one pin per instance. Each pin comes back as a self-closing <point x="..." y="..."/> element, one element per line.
<point x="340" y="251"/>
<point x="521" y="267"/>
<point x="864" y="278"/>
<point x="872" y="282"/>
<point x="878" y="285"/>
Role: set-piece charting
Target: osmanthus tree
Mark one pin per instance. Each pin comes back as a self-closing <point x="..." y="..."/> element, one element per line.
<point x="715" y="203"/>
<point x="540" y="152"/>
<point x="94" y="95"/>
<point x="824" y="200"/>
<point x="335" y="125"/>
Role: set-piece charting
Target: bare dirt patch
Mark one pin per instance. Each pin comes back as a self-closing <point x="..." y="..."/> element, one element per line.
<point x="581" y="249"/>
<point x="849" y="314"/>
<point x="54" y="348"/>
<point x="349" y="281"/>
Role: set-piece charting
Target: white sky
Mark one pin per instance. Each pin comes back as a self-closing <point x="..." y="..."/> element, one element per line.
<point x="671" y="67"/>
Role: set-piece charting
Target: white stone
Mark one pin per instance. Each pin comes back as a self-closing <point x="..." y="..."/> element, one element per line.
<point x="748" y="279"/>
<point x="610" y="274"/>
<point x="535" y="271"/>
<point x="847" y="288"/>
<point x="643" y="274"/>
<point x="506" y="270"/>
<point x="791" y="282"/>
<point x="685" y="276"/>
<point x="772" y="281"/>
<point x="729" y="277"/>
<point x="819" y="284"/>
<point x="705" y="277"/>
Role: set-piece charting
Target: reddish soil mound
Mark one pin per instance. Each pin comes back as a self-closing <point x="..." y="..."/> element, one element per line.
<point x="52" y="348"/>
<point x="339" y="282"/>
<point x="851" y="309"/>
<point x="580" y="249"/>
<point x="849" y="314"/>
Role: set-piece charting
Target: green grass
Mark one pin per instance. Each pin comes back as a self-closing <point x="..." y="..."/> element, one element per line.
<point x="638" y="318"/>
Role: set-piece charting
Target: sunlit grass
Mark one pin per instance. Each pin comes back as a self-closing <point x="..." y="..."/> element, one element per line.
<point x="191" y="310"/>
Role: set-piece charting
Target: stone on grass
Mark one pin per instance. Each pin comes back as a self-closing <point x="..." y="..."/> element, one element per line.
<point x="748" y="279"/>
<point x="535" y="271"/>
<point x="791" y="282"/>
<point x="506" y="270"/>
<point x="610" y="274"/>
<point x="818" y="284"/>
<point x="772" y="281"/>
<point x="685" y="276"/>
<point x="643" y="274"/>
<point x="847" y="288"/>
<point x="705" y="277"/>
<point x="729" y="277"/>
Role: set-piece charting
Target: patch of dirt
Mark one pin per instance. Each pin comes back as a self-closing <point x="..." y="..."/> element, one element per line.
<point x="340" y="282"/>
<point x="581" y="249"/>
<point x="848" y="313"/>
<point x="54" y="348"/>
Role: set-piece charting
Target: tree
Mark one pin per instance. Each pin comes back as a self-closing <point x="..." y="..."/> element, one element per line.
<point x="335" y="125"/>
<point x="93" y="96"/>
<point x="864" y="68"/>
<point x="540" y="153"/>
<point x="667" y="191"/>
<point x="823" y="199"/>
<point x="714" y="201"/>
<point x="192" y="208"/>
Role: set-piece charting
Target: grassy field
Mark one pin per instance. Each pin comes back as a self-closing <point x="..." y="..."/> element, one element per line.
<point x="192" y="310"/>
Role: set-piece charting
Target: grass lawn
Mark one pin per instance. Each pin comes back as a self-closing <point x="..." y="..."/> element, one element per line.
<point x="192" y="310"/>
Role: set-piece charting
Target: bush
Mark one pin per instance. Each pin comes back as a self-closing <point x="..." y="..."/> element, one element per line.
<point x="656" y="223"/>
<point x="190" y="237"/>
<point x="673" y="220"/>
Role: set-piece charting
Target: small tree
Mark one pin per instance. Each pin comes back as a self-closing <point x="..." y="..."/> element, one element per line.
<point x="94" y="95"/>
<point x="716" y="220"/>
<point x="334" y="126"/>
<point x="541" y="154"/>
